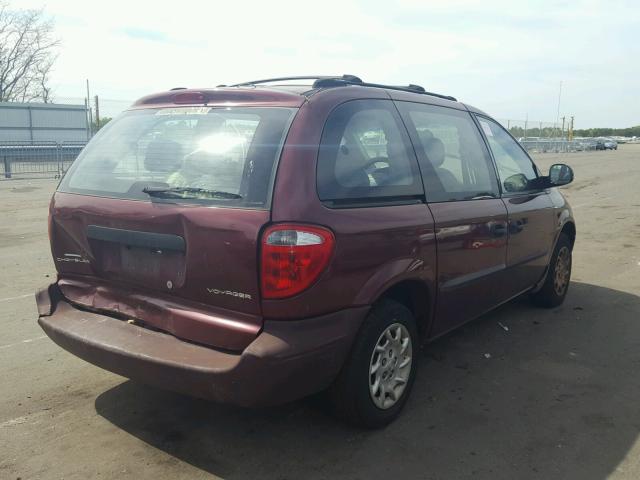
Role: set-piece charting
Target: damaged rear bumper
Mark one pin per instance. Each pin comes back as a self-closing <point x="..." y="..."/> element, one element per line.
<point x="287" y="360"/>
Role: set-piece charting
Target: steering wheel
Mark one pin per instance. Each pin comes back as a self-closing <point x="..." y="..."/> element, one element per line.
<point x="375" y="160"/>
<point x="363" y="170"/>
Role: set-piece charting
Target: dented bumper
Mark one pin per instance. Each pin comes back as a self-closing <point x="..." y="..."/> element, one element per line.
<point x="286" y="361"/>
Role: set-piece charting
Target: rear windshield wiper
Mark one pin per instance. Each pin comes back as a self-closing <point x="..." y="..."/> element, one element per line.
<point x="181" y="191"/>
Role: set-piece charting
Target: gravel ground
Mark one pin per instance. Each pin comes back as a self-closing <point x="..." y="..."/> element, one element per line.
<point x="557" y="399"/>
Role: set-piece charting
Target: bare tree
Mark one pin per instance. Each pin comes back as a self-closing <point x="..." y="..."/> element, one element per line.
<point x="27" y="53"/>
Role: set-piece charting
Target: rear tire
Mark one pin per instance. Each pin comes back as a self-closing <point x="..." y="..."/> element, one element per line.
<point x="556" y="284"/>
<point x="376" y="380"/>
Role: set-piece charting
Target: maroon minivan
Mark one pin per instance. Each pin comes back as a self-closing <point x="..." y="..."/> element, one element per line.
<point x="258" y="243"/>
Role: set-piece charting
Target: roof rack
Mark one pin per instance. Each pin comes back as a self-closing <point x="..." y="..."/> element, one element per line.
<point x="324" y="81"/>
<point x="349" y="80"/>
<point x="327" y="81"/>
<point x="282" y="79"/>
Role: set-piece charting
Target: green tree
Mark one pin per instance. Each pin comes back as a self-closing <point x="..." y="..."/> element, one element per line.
<point x="103" y="121"/>
<point x="607" y="132"/>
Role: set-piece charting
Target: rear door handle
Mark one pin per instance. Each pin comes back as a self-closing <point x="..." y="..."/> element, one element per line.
<point x="517" y="226"/>
<point x="498" y="230"/>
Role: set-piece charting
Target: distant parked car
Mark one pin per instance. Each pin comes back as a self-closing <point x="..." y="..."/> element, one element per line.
<point x="606" y="144"/>
<point x="585" y="144"/>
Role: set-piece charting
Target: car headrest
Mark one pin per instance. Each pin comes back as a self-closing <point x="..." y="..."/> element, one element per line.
<point x="163" y="156"/>
<point x="434" y="148"/>
<point x="425" y="135"/>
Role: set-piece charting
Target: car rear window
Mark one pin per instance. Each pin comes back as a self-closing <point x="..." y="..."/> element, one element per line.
<point x="224" y="156"/>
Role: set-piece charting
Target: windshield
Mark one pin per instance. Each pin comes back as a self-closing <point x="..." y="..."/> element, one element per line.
<point x="224" y="156"/>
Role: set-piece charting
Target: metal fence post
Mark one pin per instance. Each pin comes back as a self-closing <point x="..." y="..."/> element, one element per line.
<point x="7" y="167"/>
<point x="30" y="123"/>
<point x="58" y="159"/>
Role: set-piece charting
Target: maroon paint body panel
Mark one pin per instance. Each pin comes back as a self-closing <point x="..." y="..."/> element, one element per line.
<point x="369" y="257"/>
<point x="226" y="97"/>
<point x="531" y="238"/>
<point x="221" y="256"/>
<point x="188" y="275"/>
<point x="472" y="254"/>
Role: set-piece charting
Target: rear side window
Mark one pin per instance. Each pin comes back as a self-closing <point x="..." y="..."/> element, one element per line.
<point x="454" y="160"/>
<point x="515" y="168"/>
<point x="365" y="153"/>
<point x="223" y="156"/>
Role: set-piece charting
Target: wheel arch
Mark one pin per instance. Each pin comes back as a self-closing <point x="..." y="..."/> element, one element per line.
<point x="417" y="297"/>
<point x="569" y="229"/>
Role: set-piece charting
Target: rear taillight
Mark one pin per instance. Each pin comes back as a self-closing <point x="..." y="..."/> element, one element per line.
<point x="293" y="257"/>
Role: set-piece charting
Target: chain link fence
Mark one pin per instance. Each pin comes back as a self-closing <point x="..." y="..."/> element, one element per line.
<point x="44" y="159"/>
<point x="545" y="137"/>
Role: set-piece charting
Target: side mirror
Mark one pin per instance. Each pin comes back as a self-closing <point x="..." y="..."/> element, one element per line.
<point x="560" y="174"/>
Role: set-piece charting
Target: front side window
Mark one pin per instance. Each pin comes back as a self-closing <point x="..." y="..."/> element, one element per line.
<point x="454" y="161"/>
<point x="223" y="156"/>
<point x="365" y="153"/>
<point x="515" y="168"/>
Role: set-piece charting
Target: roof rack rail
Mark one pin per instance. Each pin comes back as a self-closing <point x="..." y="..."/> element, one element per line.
<point x="346" y="80"/>
<point x="327" y="81"/>
<point x="283" y="79"/>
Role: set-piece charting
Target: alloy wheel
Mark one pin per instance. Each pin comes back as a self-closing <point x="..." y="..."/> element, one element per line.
<point x="390" y="366"/>
<point x="562" y="271"/>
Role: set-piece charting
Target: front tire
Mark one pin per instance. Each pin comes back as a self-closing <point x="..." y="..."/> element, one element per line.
<point x="556" y="284"/>
<point x="377" y="378"/>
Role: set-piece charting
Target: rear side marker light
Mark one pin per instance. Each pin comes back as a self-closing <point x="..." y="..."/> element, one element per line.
<point x="293" y="257"/>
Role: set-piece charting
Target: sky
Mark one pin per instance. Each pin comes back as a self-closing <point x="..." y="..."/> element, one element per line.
<point x="507" y="58"/>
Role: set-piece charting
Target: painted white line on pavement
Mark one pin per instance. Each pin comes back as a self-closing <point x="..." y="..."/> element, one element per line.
<point x="16" y="298"/>
<point x="29" y="340"/>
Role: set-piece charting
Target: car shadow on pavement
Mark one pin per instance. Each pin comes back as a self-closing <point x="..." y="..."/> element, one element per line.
<point x="520" y="393"/>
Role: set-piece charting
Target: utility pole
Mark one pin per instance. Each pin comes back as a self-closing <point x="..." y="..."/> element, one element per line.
<point x="561" y="133"/>
<point x="86" y="117"/>
<point x="89" y="109"/>
<point x="526" y="120"/>
<point x="571" y="128"/>
<point x="559" y="97"/>
<point x="98" y="113"/>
